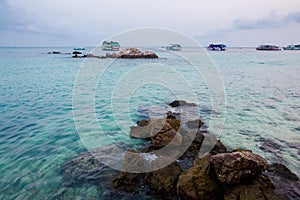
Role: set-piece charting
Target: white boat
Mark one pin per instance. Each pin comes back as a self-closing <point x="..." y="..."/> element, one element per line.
<point x="292" y="47"/>
<point x="217" y="47"/>
<point x="110" y="46"/>
<point x="174" y="47"/>
<point x="268" y="47"/>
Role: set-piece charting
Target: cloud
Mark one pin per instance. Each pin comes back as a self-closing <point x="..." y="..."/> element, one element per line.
<point x="271" y="21"/>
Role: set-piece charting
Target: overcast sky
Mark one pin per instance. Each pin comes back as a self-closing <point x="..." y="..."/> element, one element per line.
<point x="88" y="22"/>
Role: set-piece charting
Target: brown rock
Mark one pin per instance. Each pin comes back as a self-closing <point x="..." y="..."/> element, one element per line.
<point x="199" y="182"/>
<point x="163" y="182"/>
<point x="260" y="189"/>
<point x="236" y="167"/>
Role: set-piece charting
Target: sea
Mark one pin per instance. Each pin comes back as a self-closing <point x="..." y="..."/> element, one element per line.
<point x="39" y="130"/>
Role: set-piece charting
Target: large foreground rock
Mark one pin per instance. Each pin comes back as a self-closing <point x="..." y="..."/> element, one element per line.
<point x="236" y="167"/>
<point x="260" y="188"/>
<point x="199" y="182"/>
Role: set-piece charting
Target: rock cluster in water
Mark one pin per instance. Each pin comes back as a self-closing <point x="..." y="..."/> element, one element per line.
<point x="128" y="53"/>
<point x="221" y="174"/>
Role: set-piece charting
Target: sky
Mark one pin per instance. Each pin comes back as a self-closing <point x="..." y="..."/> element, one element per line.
<point x="88" y="22"/>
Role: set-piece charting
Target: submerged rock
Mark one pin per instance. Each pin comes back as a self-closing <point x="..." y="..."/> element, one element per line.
<point x="237" y="167"/>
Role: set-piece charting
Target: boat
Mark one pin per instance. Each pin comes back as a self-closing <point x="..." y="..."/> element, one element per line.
<point x="292" y="47"/>
<point x="174" y="47"/>
<point x="217" y="47"/>
<point x="79" y="49"/>
<point x="267" y="47"/>
<point x="110" y="46"/>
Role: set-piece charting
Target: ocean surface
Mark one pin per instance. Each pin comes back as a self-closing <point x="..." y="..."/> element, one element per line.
<point x="38" y="133"/>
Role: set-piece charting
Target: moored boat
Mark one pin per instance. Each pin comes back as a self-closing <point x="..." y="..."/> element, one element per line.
<point x="110" y="46"/>
<point x="292" y="47"/>
<point x="217" y="47"/>
<point x="267" y="47"/>
<point x="174" y="47"/>
<point x="79" y="49"/>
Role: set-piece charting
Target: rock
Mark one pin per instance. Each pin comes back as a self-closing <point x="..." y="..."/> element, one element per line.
<point x="237" y="167"/>
<point x="260" y="188"/>
<point x="270" y="146"/>
<point x="56" y="52"/>
<point x="149" y="54"/>
<point x="85" y="168"/>
<point x="152" y="127"/>
<point x="128" y="182"/>
<point x="136" y="53"/>
<point x="89" y="55"/>
<point x="283" y="171"/>
<point x="163" y="138"/>
<point x="163" y="181"/>
<point x="195" y="123"/>
<point x="218" y="148"/>
<point x="173" y="115"/>
<point x="181" y="103"/>
<point x="199" y="182"/>
<point x="143" y="122"/>
<point x="286" y="182"/>
<point x="112" y="55"/>
<point x="76" y="52"/>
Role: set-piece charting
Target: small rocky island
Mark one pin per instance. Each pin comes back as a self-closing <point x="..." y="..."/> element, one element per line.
<point x="221" y="174"/>
<point x="128" y="53"/>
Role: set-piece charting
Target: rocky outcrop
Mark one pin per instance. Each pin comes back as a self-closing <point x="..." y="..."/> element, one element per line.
<point x="128" y="53"/>
<point x="234" y="175"/>
<point x="136" y="53"/>
<point x="237" y="167"/>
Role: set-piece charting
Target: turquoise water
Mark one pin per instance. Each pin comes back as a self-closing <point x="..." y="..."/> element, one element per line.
<point x="37" y="131"/>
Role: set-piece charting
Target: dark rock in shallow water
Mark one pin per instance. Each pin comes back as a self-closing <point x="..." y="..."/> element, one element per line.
<point x="199" y="182"/>
<point x="237" y="167"/>
<point x="218" y="148"/>
<point x="260" y="188"/>
<point x="128" y="182"/>
<point x="270" y="146"/>
<point x="181" y="103"/>
<point x="163" y="181"/>
<point x="85" y="168"/>
<point x="286" y="182"/>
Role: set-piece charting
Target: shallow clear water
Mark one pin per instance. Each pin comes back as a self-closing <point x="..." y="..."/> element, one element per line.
<point x="37" y="131"/>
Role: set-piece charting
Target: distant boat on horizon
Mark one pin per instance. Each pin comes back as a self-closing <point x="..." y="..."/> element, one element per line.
<point x="110" y="46"/>
<point x="174" y="47"/>
<point x="217" y="47"/>
<point x="79" y="49"/>
<point x="292" y="47"/>
<point x="268" y="47"/>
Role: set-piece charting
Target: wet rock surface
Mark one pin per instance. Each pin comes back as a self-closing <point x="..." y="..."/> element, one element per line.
<point x="221" y="174"/>
<point x="237" y="167"/>
<point x="199" y="182"/>
<point x="286" y="182"/>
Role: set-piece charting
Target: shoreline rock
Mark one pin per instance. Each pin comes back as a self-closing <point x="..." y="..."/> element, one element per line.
<point x="221" y="174"/>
